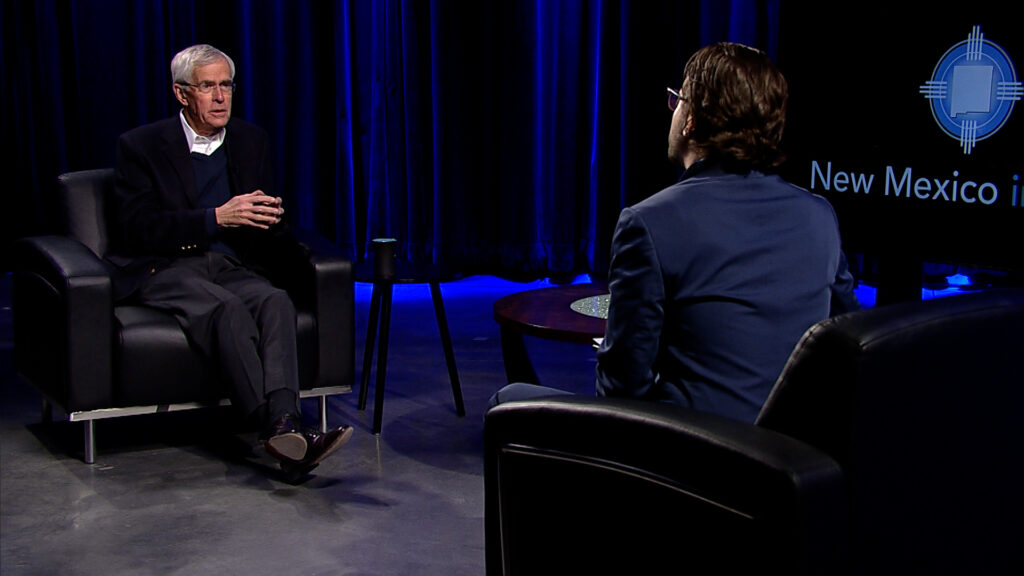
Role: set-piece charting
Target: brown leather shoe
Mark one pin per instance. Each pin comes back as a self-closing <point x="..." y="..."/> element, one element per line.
<point x="284" y="441"/>
<point x="320" y="445"/>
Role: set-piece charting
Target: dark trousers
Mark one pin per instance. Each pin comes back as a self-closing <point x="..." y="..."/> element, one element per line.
<point x="236" y="318"/>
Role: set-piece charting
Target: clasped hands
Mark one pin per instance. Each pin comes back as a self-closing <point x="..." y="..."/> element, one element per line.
<point x="254" y="209"/>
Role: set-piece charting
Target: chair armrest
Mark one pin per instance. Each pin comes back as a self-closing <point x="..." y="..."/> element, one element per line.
<point x="607" y="475"/>
<point x="63" y="321"/>
<point x="330" y="291"/>
<point x="336" y="323"/>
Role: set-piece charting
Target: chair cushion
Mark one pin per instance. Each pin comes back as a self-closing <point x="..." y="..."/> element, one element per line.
<point x="154" y="355"/>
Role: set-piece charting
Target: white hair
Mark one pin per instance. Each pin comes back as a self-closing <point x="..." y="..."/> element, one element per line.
<point x="184" y="63"/>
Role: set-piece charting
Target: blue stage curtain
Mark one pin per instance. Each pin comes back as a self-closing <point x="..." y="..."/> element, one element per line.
<point x="485" y="136"/>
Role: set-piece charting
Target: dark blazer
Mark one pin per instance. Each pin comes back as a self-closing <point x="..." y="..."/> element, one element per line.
<point x="713" y="281"/>
<point x="155" y="216"/>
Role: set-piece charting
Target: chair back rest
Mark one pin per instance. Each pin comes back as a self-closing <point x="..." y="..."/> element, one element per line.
<point x="584" y="485"/>
<point x="920" y="404"/>
<point x="83" y="200"/>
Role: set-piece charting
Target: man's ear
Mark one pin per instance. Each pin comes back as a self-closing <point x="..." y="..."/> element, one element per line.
<point x="179" y="94"/>
<point x="689" y="125"/>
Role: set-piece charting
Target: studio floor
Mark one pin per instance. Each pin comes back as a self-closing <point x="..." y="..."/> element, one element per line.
<point x="181" y="494"/>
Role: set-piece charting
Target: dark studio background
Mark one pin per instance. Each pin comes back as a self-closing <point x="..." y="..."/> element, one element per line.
<point x="855" y="72"/>
<point x="498" y="137"/>
<point x="502" y="137"/>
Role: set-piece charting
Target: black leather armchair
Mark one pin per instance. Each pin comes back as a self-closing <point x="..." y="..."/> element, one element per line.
<point x="94" y="359"/>
<point x="891" y="444"/>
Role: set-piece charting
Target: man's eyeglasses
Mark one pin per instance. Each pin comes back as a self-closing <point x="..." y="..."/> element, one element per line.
<point x="673" y="99"/>
<point x="227" y="87"/>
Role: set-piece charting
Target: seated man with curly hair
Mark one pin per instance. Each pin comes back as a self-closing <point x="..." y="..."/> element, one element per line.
<point x="714" y="279"/>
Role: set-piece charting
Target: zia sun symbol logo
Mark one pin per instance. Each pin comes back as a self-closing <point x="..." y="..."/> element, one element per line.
<point x="972" y="90"/>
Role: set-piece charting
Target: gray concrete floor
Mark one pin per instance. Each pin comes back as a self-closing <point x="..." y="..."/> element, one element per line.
<point x="180" y="493"/>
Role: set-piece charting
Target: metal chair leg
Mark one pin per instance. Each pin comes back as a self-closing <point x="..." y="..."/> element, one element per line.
<point x="90" y="441"/>
<point x="322" y="403"/>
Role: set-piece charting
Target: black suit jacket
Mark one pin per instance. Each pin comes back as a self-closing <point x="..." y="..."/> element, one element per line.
<point x="156" y="218"/>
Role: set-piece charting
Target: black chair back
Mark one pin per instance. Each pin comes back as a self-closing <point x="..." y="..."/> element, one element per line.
<point x="83" y="201"/>
<point x="891" y="444"/>
<point x="920" y="405"/>
<point x="585" y="485"/>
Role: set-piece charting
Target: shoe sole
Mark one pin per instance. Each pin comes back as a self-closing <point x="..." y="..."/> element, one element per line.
<point x="290" y="446"/>
<point x="342" y="439"/>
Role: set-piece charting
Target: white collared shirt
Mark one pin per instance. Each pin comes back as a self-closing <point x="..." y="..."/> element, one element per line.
<point x="201" y="144"/>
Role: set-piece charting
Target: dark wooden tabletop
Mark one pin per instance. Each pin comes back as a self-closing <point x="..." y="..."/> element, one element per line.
<point x="546" y="313"/>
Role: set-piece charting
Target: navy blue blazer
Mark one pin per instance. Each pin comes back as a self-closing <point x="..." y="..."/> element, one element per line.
<point x="713" y="281"/>
<point x="155" y="211"/>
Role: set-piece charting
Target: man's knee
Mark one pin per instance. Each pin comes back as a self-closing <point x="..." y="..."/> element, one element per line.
<point x="277" y="304"/>
<point x="231" y="313"/>
<point x="280" y="298"/>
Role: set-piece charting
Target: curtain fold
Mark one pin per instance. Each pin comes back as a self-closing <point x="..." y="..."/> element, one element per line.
<point x="500" y="137"/>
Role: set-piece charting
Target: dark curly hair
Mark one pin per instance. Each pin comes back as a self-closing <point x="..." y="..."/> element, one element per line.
<point x="737" y="98"/>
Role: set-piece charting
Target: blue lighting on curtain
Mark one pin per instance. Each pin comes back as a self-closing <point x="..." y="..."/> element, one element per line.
<point x="438" y="221"/>
<point x="244" y="59"/>
<point x="595" y="92"/>
<point x="344" y="218"/>
<point x="488" y="137"/>
<point x="484" y="136"/>
<point x="542" y="122"/>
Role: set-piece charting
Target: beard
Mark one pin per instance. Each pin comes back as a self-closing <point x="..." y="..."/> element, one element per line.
<point x="678" y="144"/>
